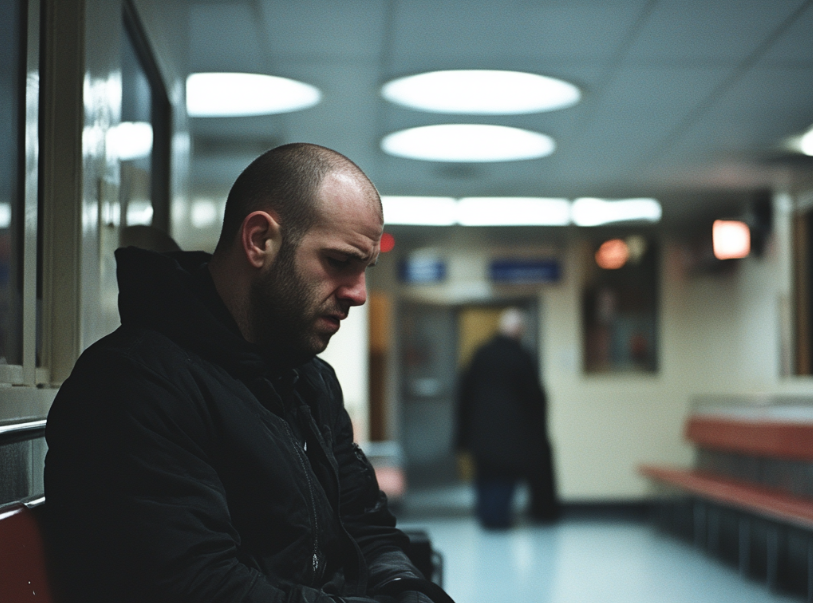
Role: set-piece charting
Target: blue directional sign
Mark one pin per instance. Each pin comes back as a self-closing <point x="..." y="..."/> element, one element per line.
<point x="422" y="270"/>
<point x="525" y="271"/>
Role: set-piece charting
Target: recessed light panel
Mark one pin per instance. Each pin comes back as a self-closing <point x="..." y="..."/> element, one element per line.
<point x="588" y="211"/>
<point x="513" y="211"/>
<point x="468" y="143"/>
<point x="481" y="92"/>
<point x="238" y="94"/>
<point x="419" y="211"/>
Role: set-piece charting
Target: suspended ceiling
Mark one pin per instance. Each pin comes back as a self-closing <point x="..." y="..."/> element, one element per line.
<point x="690" y="101"/>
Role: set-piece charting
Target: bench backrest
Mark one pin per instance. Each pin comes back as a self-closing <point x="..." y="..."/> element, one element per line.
<point x="23" y="568"/>
<point x="770" y="439"/>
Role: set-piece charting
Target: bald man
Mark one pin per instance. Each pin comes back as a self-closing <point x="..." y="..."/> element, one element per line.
<point x="202" y="452"/>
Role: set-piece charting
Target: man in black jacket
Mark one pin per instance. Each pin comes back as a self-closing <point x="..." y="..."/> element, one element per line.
<point x="502" y="423"/>
<point x="201" y="452"/>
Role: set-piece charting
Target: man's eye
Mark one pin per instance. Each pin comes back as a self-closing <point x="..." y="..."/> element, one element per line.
<point x="337" y="263"/>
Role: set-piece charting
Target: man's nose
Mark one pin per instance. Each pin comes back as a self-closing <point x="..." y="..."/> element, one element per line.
<point x="354" y="291"/>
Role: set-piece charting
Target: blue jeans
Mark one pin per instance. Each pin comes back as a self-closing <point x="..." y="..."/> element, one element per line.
<point x="494" y="501"/>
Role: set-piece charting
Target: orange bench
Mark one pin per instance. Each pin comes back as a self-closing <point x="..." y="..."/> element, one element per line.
<point x="747" y="437"/>
<point x="23" y="566"/>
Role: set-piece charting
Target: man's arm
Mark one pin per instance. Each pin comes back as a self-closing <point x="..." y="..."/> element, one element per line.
<point x="367" y="518"/>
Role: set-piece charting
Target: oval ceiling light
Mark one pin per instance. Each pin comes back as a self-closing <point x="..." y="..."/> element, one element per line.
<point x="481" y="92"/>
<point x="239" y="94"/>
<point x="468" y="143"/>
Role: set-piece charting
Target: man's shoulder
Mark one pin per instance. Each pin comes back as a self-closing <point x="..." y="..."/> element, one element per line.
<point x="131" y="345"/>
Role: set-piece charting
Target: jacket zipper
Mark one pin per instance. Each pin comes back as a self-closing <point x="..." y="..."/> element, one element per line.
<point x="304" y="465"/>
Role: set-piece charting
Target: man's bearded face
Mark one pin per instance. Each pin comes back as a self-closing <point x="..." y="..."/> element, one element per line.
<point x="285" y="309"/>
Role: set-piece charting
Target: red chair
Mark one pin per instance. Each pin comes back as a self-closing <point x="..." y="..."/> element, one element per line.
<point x="23" y="567"/>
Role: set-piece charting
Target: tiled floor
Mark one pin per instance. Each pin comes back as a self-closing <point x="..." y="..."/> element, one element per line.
<point x="575" y="561"/>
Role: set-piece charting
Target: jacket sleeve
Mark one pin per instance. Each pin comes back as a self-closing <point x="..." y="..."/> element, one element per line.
<point x="366" y="516"/>
<point x="137" y="509"/>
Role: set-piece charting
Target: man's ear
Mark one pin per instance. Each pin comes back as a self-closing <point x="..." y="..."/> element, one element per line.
<point x="261" y="238"/>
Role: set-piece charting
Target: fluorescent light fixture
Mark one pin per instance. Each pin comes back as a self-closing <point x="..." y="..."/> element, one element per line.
<point x="237" y="94"/>
<point x="468" y="143"/>
<point x="731" y="239"/>
<point x="513" y="211"/>
<point x="806" y="143"/>
<point x="130" y="140"/>
<point x="481" y="92"/>
<point x="588" y="211"/>
<point x="419" y="211"/>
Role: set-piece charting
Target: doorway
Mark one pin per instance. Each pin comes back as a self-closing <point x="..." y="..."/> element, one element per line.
<point x="435" y="343"/>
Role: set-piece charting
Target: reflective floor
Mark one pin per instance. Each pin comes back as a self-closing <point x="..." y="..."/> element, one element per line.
<point x="577" y="560"/>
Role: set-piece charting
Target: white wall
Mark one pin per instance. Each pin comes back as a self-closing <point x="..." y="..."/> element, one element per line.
<point x="724" y="334"/>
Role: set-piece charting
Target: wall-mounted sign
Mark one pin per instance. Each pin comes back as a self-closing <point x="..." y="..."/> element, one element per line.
<point x="422" y="270"/>
<point x="524" y="271"/>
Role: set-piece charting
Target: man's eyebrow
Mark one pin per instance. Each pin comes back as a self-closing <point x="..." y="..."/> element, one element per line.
<point x="355" y="255"/>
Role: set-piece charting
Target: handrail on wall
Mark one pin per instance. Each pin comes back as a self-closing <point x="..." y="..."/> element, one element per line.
<point x="26" y="430"/>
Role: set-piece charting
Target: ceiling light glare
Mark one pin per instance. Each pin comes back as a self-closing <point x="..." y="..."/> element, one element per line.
<point x="130" y="140"/>
<point x="419" y="211"/>
<point x="139" y="213"/>
<point x="5" y="215"/>
<point x="240" y="94"/>
<point x="513" y="211"/>
<point x="468" y="143"/>
<point x="806" y="143"/>
<point x="481" y="92"/>
<point x="203" y="213"/>
<point x="588" y="211"/>
<point x="731" y="239"/>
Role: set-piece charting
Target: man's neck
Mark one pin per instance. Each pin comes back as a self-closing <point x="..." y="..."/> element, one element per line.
<point x="233" y="293"/>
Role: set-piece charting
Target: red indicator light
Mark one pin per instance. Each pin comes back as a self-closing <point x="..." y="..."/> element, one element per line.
<point x="387" y="242"/>
<point x="612" y="254"/>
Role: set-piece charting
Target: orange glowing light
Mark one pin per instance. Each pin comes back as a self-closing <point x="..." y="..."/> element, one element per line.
<point x="731" y="239"/>
<point x="387" y="242"/>
<point x="612" y="254"/>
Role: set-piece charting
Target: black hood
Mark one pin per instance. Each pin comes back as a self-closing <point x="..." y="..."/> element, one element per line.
<point x="173" y="293"/>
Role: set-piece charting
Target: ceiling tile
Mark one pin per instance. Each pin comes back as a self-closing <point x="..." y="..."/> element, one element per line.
<point x="223" y="37"/>
<point x="681" y="31"/>
<point x="480" y="30"/>
<point x="325" y="28"/>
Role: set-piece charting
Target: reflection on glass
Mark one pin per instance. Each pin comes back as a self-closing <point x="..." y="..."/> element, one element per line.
<point x="132" y="139"/>
<point x="11" y="127"/>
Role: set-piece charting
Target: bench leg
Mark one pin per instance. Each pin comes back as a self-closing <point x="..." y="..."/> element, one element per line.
<point x="699" y="524"/>
<point x="744" y="543"/>
<point x="809" y="568"/>
<point x="773" y="557"/>
<point x="713" y="524"/>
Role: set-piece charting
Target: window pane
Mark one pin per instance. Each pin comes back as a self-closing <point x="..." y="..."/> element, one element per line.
<point x="11" y="127"/>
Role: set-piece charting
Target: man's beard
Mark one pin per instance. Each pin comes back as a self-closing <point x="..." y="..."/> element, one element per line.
<point x="284" y="310"/>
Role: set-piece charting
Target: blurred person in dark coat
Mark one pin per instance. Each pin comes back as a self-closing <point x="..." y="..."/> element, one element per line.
<point x="502" y="423"/>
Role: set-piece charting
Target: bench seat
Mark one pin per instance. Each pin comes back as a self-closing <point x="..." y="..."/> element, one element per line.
<point x="756" y="499"/>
